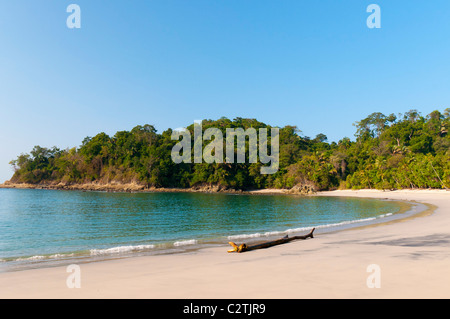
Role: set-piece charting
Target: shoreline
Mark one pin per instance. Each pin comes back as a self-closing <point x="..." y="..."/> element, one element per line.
<point x="327" y="265"/>
<point x="406" y="210"/>
<point x="139" y="188"/>
<point x="134" y="187"/>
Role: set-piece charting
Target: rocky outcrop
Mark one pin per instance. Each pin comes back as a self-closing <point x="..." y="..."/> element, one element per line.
<point x="302" y="189"/>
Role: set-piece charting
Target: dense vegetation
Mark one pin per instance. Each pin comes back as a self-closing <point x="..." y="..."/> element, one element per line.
<point x="390" y="152"/>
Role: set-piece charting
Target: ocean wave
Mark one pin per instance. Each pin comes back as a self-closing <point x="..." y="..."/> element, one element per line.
<point x="300" y="229"/>
<point x="39" y="257"/>
<point x="120" y="249"/>
<point x="92" y="252"/>
<point x="245" y="236"/>
<point x="185" y="242"/>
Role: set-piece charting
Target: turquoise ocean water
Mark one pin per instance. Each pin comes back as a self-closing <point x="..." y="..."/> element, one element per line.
<point x="45" y="227"/>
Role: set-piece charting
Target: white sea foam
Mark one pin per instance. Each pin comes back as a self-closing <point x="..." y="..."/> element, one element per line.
<point x="61" y="255"/>
<point x="185" y="242"/>
<point x="37" y="257"/>
<point x="300" y="229"/>
<point x="42" y="257"/>
<point x="93" y="252"/>
<point x="244" y="236"/>
<point x="120" y="249"/>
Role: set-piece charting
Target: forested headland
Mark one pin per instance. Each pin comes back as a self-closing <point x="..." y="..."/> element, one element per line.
<point x="408" y="150"/>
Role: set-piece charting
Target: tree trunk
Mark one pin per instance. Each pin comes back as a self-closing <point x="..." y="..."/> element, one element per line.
<point x="243" y="247"/>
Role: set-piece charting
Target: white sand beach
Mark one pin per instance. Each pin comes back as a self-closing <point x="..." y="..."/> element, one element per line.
<point x="413" y="257"/>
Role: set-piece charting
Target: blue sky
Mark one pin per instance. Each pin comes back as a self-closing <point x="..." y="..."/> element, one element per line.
<point x="313" y="64"/>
